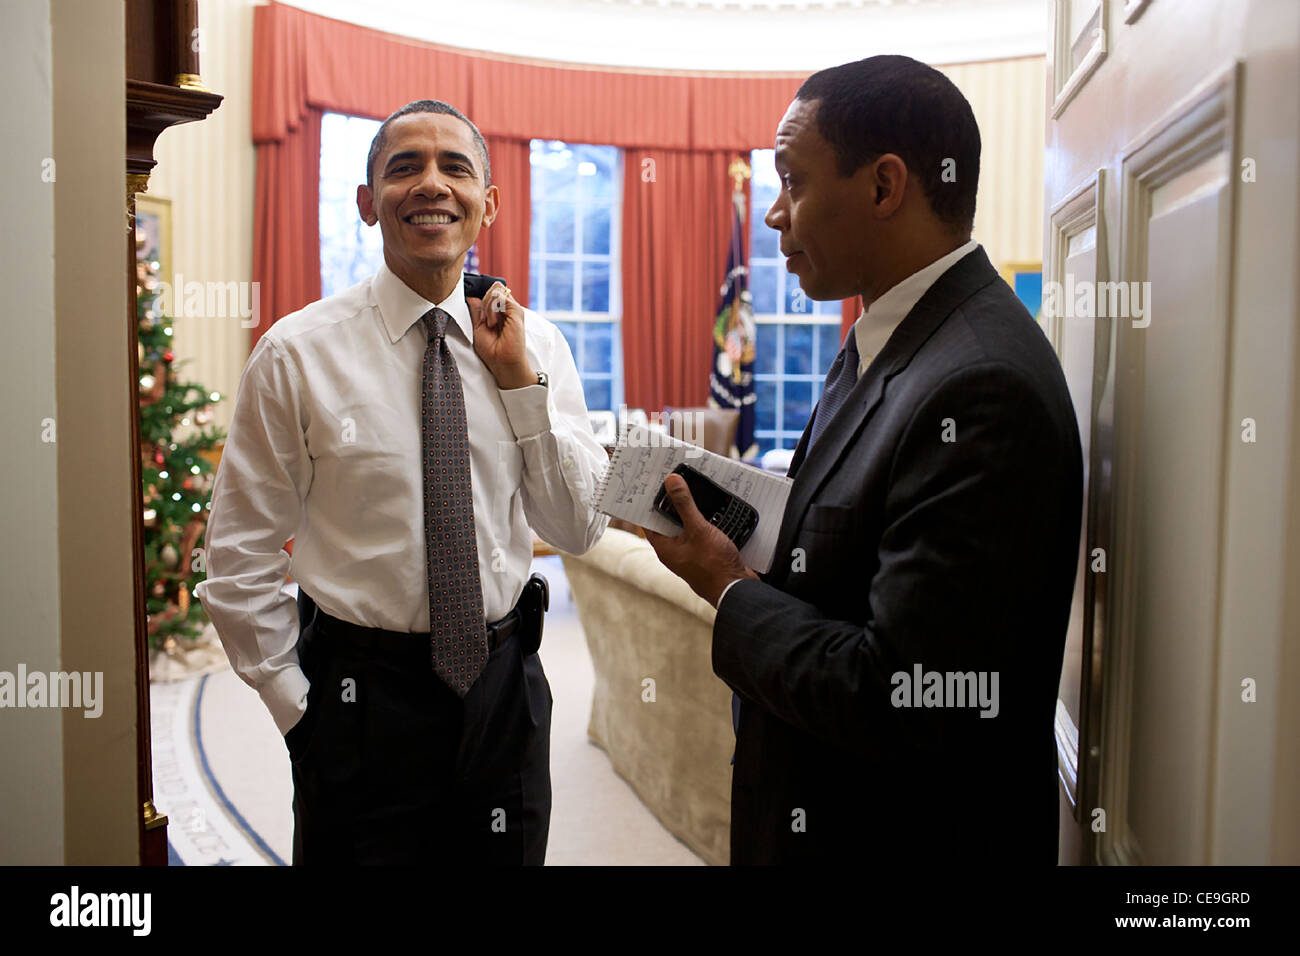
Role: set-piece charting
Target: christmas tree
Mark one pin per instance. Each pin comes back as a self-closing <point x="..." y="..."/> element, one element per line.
<point x="177" y="474"/>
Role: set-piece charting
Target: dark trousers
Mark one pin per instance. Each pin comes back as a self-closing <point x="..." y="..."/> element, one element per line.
<point x="392" y="767"/>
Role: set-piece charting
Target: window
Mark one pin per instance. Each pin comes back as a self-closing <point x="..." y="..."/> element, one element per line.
<point x="798" y="338"/>
<point x="349" y="249"/>
<point x="573" y="263"/>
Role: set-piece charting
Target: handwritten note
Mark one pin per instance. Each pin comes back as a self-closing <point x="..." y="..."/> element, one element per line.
<point x="640" y="465"/>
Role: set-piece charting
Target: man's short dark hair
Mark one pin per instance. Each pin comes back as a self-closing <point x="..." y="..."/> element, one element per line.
<point x="894" y="104"/>
<point x="427" y="106"/>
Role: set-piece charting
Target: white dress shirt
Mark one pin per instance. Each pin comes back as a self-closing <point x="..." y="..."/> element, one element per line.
<point x="324" y="447"/>
<point x="874" y="327"/>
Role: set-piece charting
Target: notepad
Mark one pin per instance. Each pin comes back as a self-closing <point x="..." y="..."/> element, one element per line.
<point x="645" y="458"/>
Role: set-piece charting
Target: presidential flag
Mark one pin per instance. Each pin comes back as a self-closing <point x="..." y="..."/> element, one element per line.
<point x="731" y="381"/>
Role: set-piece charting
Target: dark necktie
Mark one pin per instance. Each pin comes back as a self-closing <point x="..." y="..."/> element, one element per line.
<point x="839" y="382"/>
<point x="457" y="631"/>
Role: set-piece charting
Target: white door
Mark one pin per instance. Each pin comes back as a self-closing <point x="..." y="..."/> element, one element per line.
<point x="1171" y="247"/>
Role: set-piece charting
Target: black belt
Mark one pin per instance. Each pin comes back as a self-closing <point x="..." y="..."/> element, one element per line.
<point x="417" y="642"/>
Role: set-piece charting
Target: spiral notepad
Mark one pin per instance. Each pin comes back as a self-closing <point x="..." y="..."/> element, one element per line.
<point x="645" y="458"/>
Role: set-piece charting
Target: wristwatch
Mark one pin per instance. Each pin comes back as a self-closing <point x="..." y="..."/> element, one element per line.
<point x="543" y="380"/>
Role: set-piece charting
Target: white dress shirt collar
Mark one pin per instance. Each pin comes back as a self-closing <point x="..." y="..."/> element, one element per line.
<point x="400" y="306"/>
<point x="874" y="327"/>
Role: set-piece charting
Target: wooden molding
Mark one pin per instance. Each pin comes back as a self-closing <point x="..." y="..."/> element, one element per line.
<point x="152" y="108"/>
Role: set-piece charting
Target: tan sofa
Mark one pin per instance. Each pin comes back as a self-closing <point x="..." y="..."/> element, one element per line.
<point x="643" y="623"/>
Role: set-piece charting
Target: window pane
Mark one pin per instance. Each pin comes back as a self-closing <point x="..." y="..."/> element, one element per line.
<point x="796" y="302"/>
<point x="594" y="166"/>
<point x="765" y="186"/>
<point x="349" y="251"/>
<point x="765" y="346"/>
<point x="358" y="133"/>
<point x="330" y="225"/>
<point x="765" y="405"/>
<point x="597" y="392"/>
<point x="559" y="287"/>
<point x="554" y="171"/>
<point x="570" y="332"/>
<point x="574" y="254"/>
<point x="798" y="405"/>
<point x="595" y="230"/>
<point x="764" y="242"/>
<point x="534" y="281"/>
<point x="828" y="343"/>
<point x="595" y="286"/>
<point x="559" y="226"/>
<point x="333" y="191"/>
<point x="336" y="161"/>
<point x="762" y="285"/>
<point x="597" y="183"/>
<point x="597" y="347"/>
<point x="798" y="350"/>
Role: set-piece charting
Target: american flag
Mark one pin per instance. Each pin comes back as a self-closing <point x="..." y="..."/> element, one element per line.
<point x="731" y="380"/>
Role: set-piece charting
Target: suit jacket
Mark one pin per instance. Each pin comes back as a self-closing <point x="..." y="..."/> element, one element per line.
<point x="933" y="528"/>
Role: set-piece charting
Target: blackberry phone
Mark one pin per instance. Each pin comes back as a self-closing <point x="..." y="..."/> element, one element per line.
<point x="734" y="516"/>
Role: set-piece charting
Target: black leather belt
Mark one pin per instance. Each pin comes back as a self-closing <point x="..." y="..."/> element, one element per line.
<point x="400" y="642"/>
<point x="498" y="633"/>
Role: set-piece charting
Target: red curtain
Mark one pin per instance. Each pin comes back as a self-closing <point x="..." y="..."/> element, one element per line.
<point x="676" y="224"/>
<point x="286" y="225"/>
<point x="302" y="59"/>
<point x="675" y="229"/>
<point x="850" y="309"/>
<point x="503" y="246"/>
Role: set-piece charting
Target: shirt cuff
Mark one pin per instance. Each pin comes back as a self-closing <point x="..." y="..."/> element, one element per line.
<point x="723" y="595"/>
<point x="285" y="696"/>
<point x="527" y="410"/>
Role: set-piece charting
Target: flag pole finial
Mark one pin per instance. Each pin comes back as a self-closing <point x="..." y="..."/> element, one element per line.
<point x="739" y="171"/>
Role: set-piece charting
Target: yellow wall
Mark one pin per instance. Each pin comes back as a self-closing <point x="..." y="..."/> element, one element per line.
<point x="206" y="169"/>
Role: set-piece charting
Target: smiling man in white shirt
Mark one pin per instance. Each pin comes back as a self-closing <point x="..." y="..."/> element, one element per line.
<point x="406" y="433"/>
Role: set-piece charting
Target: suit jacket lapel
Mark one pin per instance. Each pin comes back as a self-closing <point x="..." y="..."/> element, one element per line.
<point x="810" y="467"/>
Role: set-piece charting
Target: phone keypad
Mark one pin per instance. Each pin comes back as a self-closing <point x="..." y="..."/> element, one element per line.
<point x="733" y="520"/>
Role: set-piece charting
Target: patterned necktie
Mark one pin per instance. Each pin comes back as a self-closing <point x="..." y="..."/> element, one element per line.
<point x="457" y="631"/>
<point x="839" y="382"/>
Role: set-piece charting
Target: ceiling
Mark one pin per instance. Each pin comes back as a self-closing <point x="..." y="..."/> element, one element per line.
<point x="779" y="35"/>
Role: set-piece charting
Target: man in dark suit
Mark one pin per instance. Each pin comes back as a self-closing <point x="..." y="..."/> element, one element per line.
<point x="897" y="668"/>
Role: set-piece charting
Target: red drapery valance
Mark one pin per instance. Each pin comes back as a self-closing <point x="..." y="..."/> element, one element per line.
<point x="674" y="238"/>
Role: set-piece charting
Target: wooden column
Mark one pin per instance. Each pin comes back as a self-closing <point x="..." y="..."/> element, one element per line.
<point x="162" y="89"/>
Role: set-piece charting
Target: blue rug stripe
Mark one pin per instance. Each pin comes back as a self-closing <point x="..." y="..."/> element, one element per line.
<point x="238" y="817"/>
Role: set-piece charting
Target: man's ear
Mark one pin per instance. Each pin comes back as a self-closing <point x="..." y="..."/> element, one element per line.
<point x="366" y="206"/>
<point x="491" y="205"/>
<point x="888" y="182"/>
